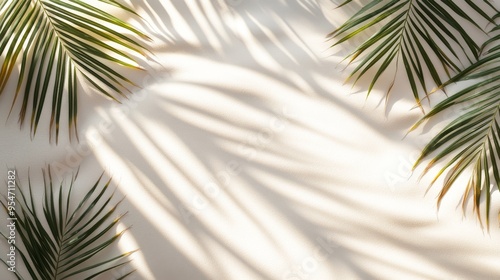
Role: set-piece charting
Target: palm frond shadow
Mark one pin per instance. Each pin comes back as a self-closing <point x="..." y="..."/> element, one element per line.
<point x="175" y="145"/>
<point x="236" y="26"/>
<point x="272" y="176"/>
<point x="189" y="218"/>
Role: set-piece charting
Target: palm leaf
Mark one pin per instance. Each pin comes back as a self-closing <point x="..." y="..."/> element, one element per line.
<point x="471" y="142"/>
<point x="427" y="37"/>
<point x="58" y="43"/>
<point x="69" y="243"/>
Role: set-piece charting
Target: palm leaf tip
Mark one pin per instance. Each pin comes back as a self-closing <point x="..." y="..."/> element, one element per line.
<point x="64" y="240"/>
<point x="58" y="45"/>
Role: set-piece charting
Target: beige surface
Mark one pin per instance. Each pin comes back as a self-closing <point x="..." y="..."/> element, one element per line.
<point x="248" y="159"/>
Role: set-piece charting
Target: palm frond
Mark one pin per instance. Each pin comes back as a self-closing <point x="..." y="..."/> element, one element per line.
<point x="472" y="140"/>
<point x="64" y="241"/>
<point x="427" y="37"/>
<point x="58" y="43"/>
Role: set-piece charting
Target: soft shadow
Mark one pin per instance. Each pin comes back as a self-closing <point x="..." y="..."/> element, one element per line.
<point x="249" y="155"/>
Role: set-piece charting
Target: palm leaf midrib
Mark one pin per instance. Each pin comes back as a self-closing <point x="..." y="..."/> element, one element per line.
<point x="61" y="242"/>
<point x="394" y="51"/>
<point x="67" y="234"/>
<point x="72" y="231"/>
<point x="61" y="44"/>
<point x="58" y="258"/>
<point x="403" y="28"/>
<point x="430" y="38"/>
<point x="488" y="132"/>
<point x="421" y="34"/>
<point x="402" y="35"/>
<point x="59" y="37"/>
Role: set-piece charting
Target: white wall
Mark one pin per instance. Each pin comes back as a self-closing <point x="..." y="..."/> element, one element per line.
<point x="246" y="157"/>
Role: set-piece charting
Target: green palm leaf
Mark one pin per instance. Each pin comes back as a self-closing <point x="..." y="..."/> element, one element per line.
<point x="427" y="37"/>
<point x="58" y="43"/>
<point x="64" y="241"/>
<point x="472" y="140"/>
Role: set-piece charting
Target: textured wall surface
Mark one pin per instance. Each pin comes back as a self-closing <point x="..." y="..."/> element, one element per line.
<point x="243" y="156"/>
